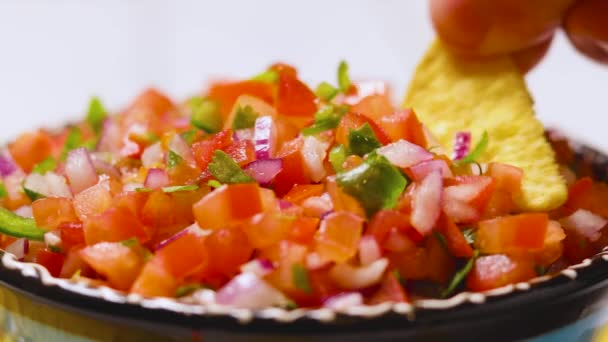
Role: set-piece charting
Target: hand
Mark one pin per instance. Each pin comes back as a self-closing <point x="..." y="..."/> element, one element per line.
<point x="522" y="28"/>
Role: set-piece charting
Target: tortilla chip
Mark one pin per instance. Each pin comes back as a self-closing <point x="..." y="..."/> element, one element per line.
<point x="451" y="95"/>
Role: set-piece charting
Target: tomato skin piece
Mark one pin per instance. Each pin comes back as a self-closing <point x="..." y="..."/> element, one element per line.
<point x="283" y="68"/>
<point x="74" y="263"/>
<point x="294" y="169"/>
<point x="338" y="236"/>
<point x="456" y="243"/>
<point x="374" y="106"/>
<point x="227" y="250"/>
<point x="303" y="230"/>
<point x="185" y="255"/>
<point x="523" y="232"/>
<point x="294" y="98"/>
<point x="492" y="271"/>
<point x="151" y="101"/>
<point x="114" y="225"/>
<point x="30" y="148"/>
<point x="118" y="263"/>
<point x="226" y="93"/>
<point x="51" y="212"/>
<point x="243" y="152"/>
<point x="72" y="234"/>
<point x="155" y="281"/>
<point x="52" y="261"/>
<point x="390" y="291"/>
<point x="267" y="228"/>
<point x="228" y="205"/>
<point x="382" y="222"/>
<point x="92" y="201"/>
<point x="351" y="121"/>
<point x="405" y="125"/>
<point x="300" y="192"/>
<point x="412" y="264"/>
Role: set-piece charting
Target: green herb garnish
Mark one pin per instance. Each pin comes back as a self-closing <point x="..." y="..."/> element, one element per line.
<point x="173" y="159"/>
<point x="268" y="76"/>
<point x="477" y="150"/>
<point x="189" y="136"/>
<point x="3" y="192"/>
<point x="55" y="249"/>
<point x="300" y="278"/>
<point x="49" y="164"/>
<point x="96" y="114"/>
<point x="291" y="305"/>
<point x="17" y="226"/>
<point x="214" y="183"/>
<point x="73" y="141"/>
<point x="33" y="195"/>
<point x="176" y="188"/>
<point x="344" y="82"/>
<point x="205" y="114"/>
<point x="326" y="118"/>
<point x="244" y="117"/>
<point x="441" y="239"/>
<point x="226" y="170"/>
<point x="460" y="276"/>
<point x="362" y="141"/>
<point x="337" y="156"/>
<point x="130" y="242"/>
<point x="326" y="91"/>
<point x="376" y="183"/>
<point x="143" y="189"/>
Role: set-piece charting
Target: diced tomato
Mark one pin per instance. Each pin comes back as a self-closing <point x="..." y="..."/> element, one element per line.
<point x="118" y="263"/>
<point x="512" y="233"/>
<point x="185" y="255"/>
<point x="52" y="261"/>
<point x="243" y="152"/>
<point x="412" y="264"/>
<point x="294" y="170"/>
<point x="466" y="197"/>
<point x="132" y="200"/>
<point x="286" y="69"/>
<point x="374" y="106"/>
<point x="300" y="192"/>
<point x="397" y="241"/>
<point x="294" y="98"/>
<point x="341" y="200"/>
<point x="382" y="222"/>
<point x="72" y="234"/>
<point x="155" y="281"/>
<point x="492" y="271"/>
<point x="267" y="228"/>
<point x="338" y="236"/>
<point x="227" y="205"/>
<point x="286" y="254"/>
<point x="92" y="201"/>
<point x="577" y="247"/>
<point x="152" y="101"/>
<point x="553" y="247"/>
<point x="456" y="243"/>
<point x="303" y="229"/>
<point x="159" y="210"/>
<point x="74" y="263"/>
<point x="589" y="195"/>
<point x="506" y="177"/>
<point x="227" y="250"/>
<point x="440" y="263"/>
<point x="114" y="225"/>
<point x="351" y="121"/>
<point x="226" y="93"/>
<point x="203" y="150"/>
<point x="390" y="291"/>
<point x="31" y="148"/>
<point x="50" y="212"/>
<point x="404" y="125"/>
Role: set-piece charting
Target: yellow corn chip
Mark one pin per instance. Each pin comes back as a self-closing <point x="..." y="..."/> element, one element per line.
<point x="451" y="95"/>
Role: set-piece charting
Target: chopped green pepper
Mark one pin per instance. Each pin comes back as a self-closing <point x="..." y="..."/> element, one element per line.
<point x="14" y="225"/>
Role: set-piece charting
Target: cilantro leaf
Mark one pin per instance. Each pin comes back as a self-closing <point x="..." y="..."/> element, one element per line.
<point x="49" y="164"/>
<point x="143" y="189"/>
<point x="72" y="141"/>
<point x="55" y="249"/>
<point x="177" y="188"/>
<point x="244" y="117"/>
<point x="205" y="114"/>
<point x="363" y="140"/>
<point x="441" y="239"/>
<point x="300" y="278"/>
<point x="190" y="135"/>
<point x="214" y="183"/>
<point x="268" y="76"/>
<point x="326" y="118"/>
<point x="173" y="159"/>
<point x="476" y="152"/>
<point x="96" y="114"/>
<point x="337" y="156"/>
<point x="344" y="82"/>
<point x="130" y="242"/>
<point x="460" y="276"/>
<point x="33" y="195"/>
<point x="376" y="183"/>
<point x="3" y="192"/>
<point x="326" y="91"/>
<point x="226" y="170"/>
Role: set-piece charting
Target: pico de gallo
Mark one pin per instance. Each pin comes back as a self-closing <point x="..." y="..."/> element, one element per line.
<point x="266" y="192"/>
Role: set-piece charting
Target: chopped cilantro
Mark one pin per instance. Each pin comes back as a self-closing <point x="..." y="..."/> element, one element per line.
<point x="3" y="192"/>
<point x="540" y="270"/>
<point x="55" y="249"/>
<point x="130" y="242"/>
<point x="32" y="195"/>
<point x="469" y="235"/>
<point x="291" y="305"/>
<point x="441" y="239"/>
<point x="460" y="276"/>
<point x="363" y="140"/>
<point x="176" y="188"/>
<point x="214" y="183"/>
<point x="244" y="117"/>
<point x="143" y="189"/>
<point x="326" y="118"/>
<point x="300" y="278"/>
<point x="49" y="164"/>
<point x="376" y="183"/>
<point x="226" y="170"/>
<point x="268" y="76"/>
<point x="337" y="156"/>
<point x="96" y="114"/>
<point x="190" y="135"/>
<point x="477" y="150"/>
<point x="188" y="289"/>
<point x="205" y="114"/>
<point x="343" y="78"/>
<point x="326" y="91"/>
<point x="173" y="159"/>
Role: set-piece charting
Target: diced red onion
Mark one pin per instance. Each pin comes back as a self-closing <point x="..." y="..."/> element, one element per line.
<point x="283" y="204"/>
<point x="403" y="153"/>
<point x="352" y="278"/>
<point x="106" y="168"/>
<point x="259" y="267"/>
<point x="50" y="185"/>
<point x="369" y="250"/>
<point x="110" y="139"/>
<point x="181" y="122"/>
<point x="53" y="238"/>
<point x="192" y="229"/>
<point x="462" y="144"/>
<point x="314" y="261"/>
<point x="79" y="170"/>
<point x="152" y="155"/>
<point x="181" y="148"/>
<point x="24" y="211"/>
<point x="264" y="137"/>
<point x="314" y="151"/>
<point x="423" y="169"/>
<point x="249" y="291"/>
<point x="426" y="203"/>
<point x="585" y="223"/>
<point x="264" y="170"/>
<point x="156" y="179"/>
<point x="344" y="301"/>
<point x="7" y="164"/>
<point x="19" y="248"/>
<point x="243" y="134"/>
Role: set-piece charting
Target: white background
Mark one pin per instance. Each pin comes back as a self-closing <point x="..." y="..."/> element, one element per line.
<point x="54" y="54"/>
